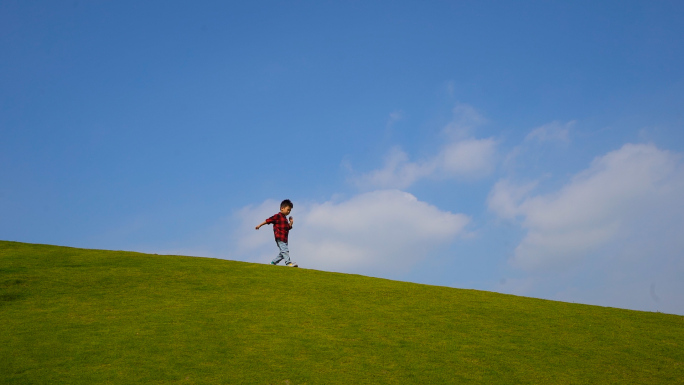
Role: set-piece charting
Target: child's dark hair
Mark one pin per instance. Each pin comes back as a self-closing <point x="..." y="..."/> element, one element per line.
<point x="286" y="203"/>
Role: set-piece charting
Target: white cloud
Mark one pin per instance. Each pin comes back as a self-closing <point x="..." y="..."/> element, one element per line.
<point x="470" y="157"/>
<point x="394" y="116"/>
<point x="543" y="139"/>
<point x="506" y="196"/>
<point x="380" y="232"/>
<point x="460" y="156"/>
<point x="618" y="223"/>
<point x="597" y="206"/>
<point x="465" y="119"/>
<point x="554" y="131"/>
<point x="398" y="172"/>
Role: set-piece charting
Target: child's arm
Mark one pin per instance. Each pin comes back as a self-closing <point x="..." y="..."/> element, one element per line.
<point x="261" y="224"/>
<point x="291" y="222"/>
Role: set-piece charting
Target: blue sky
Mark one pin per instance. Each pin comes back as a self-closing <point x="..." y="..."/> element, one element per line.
<point x="532" y="148"/>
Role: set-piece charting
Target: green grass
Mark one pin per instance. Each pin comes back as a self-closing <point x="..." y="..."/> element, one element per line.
<point x="82" y="316"/>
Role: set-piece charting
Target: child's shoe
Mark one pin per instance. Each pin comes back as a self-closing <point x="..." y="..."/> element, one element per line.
<point x="273" y="263"/>
<point x="292" y="264"/>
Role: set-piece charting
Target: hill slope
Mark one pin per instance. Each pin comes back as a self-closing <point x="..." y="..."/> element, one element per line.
<point x="91" y="316"/>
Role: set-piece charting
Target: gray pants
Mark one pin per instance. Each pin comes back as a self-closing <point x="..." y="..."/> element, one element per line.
<point x="284" y="253"/>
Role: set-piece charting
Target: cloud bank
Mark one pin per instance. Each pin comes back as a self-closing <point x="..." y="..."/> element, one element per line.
<point x="616" y="224"/>
<point x="616" y="196"/>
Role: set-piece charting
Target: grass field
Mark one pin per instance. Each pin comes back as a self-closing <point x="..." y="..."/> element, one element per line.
<point x="78" y="316"/>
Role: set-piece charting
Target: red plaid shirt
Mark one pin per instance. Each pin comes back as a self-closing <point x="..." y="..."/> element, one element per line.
<point x="281" y="226"/>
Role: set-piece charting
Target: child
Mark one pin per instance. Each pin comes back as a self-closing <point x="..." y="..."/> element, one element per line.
<point x="281" y="228"/>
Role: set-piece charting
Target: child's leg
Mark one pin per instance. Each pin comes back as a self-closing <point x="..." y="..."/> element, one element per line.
<point x="284" y="253"/>
<point x="278" y="258"/>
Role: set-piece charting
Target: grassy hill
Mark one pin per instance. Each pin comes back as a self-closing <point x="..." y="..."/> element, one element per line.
<point x="82" y="316"/>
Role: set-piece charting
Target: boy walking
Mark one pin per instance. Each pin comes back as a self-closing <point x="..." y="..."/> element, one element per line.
<point x="281" y="228"/>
